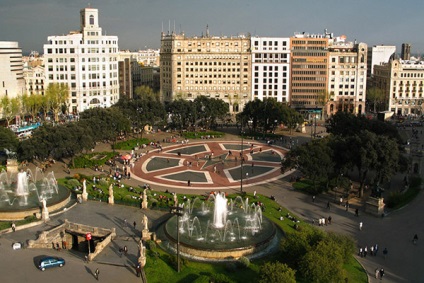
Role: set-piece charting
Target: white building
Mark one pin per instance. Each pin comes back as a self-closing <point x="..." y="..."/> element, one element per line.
<point x="12" y="82"/>
<point x="148" y="57"/>
<point x="271" y="68"/>
<point x="347" y="73"/>
<point x="87" y="61"/>
<point x="377" y="55"/>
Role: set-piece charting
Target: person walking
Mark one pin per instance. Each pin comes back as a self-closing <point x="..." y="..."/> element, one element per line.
<point x="138" y="269"/>
<point x="313" y="198"/>
<point x="360" y="226"/>
<point x="356" y="212"/>
<point x="385" y="252"/>
<point x="415" y="239"/>
<point x="328" y="205"/>
<point x="377" y="273"/>
<point x="135" y="223"/>
<point x="13" y="226"/>
<point x="375" y="249"/>
<point x="96" y="274"/>
<point x="381" y="273"/>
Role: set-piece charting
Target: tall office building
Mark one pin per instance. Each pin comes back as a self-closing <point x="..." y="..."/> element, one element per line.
<point x="87" y="61"/>
<point x="403" y="83"/>
<point x="12" y="82"/>
<point x="271" y="68"/>
<point x="406" y="51"/>
<point x="309" y="67"/>
<point x="212" y="66"/>
<point x="347" y="76"/>
<point x="377" y="55"/>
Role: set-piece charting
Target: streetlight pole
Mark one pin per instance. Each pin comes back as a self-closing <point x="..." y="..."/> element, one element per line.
<point x="241" y="159"/>
<point x="176" y="210"/>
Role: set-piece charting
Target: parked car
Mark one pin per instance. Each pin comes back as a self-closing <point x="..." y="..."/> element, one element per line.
<point x="50" y="261"/>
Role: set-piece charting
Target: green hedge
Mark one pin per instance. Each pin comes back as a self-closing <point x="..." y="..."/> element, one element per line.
<point x="92" y="159"/>
<point x="131" y="144"/>
<point x="199" y="135"/>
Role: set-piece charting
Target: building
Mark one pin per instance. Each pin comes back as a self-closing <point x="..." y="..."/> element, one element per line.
<point x="34" y="80"/>
<point x="148" y="57"/>
<point x="403" y="82"/>
<point x="12" y="82"/>
<point x="270" y="68"/>
<point x="212" y="66"/>
<point x="126" y="61"/>
<point x="150" y="76"/>
<point x="377" y="55"/>
<point x="406" y="51"/>
<point x="347" y="77"/>
<point x="87" y="61"/>
<point x="309" y="71"/>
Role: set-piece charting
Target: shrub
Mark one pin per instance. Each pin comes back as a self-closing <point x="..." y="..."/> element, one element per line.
<point x="220" y="278"/>
<point x="151" y="245"/>
<point x="230" y="267"/>
<point x="244" y="262"/>
<point x="73" y="183"/>
<point x="202" y="279"/>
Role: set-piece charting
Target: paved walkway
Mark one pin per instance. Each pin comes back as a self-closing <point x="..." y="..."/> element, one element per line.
<point x="394" y="231"/>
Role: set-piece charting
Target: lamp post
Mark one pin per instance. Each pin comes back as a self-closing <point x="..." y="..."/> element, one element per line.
<point x="176" y="210"/>
<point x="241" y="158"/>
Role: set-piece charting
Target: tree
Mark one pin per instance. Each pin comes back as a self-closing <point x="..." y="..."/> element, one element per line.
<point x="11" y="107"/>
<point x="210" y="109"/>
<point x="57" y="94"/>
<point x="315" y="160"/>
<point x="323" y="263"/>
<point x="322" y="99"/>
<point x="182" y="113"/>
<point x="376" y="97"/>
<point x="146" y="93"/>
<point x="32" y="104"/>
<point x="8" y="139"/>
<point x="276" y="272"/>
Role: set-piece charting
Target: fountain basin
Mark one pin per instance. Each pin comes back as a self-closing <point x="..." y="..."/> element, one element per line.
<point x="208" y="247"/>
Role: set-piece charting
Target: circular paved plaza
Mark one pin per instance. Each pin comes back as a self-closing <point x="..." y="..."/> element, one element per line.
<point x="210" y="164"/>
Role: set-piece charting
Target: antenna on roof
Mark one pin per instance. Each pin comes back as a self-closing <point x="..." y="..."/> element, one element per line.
<point x="207" y="30"/>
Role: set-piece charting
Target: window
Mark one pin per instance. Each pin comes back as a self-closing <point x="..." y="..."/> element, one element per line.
<point x="91" y="20"/>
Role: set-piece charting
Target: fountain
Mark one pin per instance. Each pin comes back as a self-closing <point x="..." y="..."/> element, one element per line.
<point x="234" y="229"/>
<point x="21" y="193"/>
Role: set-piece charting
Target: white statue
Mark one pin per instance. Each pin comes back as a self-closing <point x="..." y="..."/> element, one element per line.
<point x="145" y="222"/>
<point x="44" y="203"/>
<point x="111" y="190"/>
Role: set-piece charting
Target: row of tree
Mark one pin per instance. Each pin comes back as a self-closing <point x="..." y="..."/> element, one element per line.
<point x="54" y="101"/>
<point x="355" y="143"/>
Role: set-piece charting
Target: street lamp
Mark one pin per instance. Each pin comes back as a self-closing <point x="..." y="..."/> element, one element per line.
<point x="176" y="210"/>
<point x="241" y="158"/>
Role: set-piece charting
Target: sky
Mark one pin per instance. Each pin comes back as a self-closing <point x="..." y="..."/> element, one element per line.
<point x="139" y="23"/>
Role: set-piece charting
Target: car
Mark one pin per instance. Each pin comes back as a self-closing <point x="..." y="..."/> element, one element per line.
<point x="50" y="261"/>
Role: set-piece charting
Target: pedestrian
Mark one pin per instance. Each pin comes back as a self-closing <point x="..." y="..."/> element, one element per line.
<point x="381" y="273"/>
<point x="329" y="220"/>
<point x="328" y="205"/>
<point x="375" y="249"/>
<point x="313" y="198"/>
<point x="125" y="222"/>
<point x="134" y="224"/>
<point x="341" y="201"/>
<point x="361" y="252"/>
<point x="188" y="183"/>
<point x="360" y="226"/>
<point x="138" y="269"/>
<point x="415" y="239"/>
<point x="377" y="273"/>
<point x="96" y="274"/>
<point x="347" y="206"/>
<point x="385" y="252"/>
<point x="86" y="258"/>
<point x="125" y="250"/>
<point x="365" y="251"/>
<point x="372" y="250"/>
<point x="356" y="212"/>
<point x="13" y="226"/>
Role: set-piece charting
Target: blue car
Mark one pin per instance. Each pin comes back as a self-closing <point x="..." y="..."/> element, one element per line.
<point x="50" y="261"/>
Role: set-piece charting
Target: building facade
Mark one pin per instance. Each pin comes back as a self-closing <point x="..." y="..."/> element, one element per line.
<point x="34" y="80"/>
<point x="270" y="68"/>
<point x="87" y="61"/>
<point x="216" y="67"/>
<point x="347" y="77"/>
<point x="378" y="54"/>
<point x="309" y="71"/>
<point x="12" y="82"/>
<point x="403" y="82"/>
<point x="406" y="51"/>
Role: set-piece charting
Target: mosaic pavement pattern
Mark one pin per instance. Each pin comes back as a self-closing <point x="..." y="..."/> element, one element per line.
<point x="210" y="164"/>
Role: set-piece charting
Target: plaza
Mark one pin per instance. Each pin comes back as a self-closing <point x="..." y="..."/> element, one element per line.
<point x="394" y="232"/>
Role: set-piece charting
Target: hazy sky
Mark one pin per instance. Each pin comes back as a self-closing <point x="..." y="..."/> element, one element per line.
<point x="138" y="23"/>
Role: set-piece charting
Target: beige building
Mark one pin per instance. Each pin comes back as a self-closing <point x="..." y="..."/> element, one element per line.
<point x="347" y="77"/>
<point x="212" y="66"/>
<point x="403" y="82"/>
<point x="34" y="80"/>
